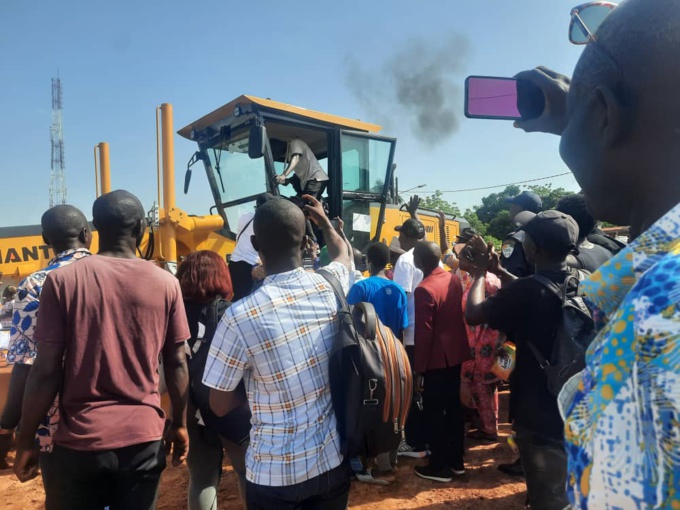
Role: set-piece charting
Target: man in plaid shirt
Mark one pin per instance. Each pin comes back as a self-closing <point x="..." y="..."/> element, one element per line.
<point x="278" y="340"/>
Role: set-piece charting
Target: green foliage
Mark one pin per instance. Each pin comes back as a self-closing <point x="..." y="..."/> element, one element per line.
<point x="436" y="202"/>
<point x="491" y="218"/>
<point x="549" y="195"/>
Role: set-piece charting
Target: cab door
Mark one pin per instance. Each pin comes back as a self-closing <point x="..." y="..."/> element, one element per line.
<point x="366" y="183"/>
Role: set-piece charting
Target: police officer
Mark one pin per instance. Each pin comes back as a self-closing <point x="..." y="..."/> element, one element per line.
<point x="512" y="253"/>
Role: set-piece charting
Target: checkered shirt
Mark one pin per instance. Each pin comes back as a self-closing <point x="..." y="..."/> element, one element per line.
<point x="278" y="340"/>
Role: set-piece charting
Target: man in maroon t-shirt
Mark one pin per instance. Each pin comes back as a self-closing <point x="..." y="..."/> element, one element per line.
<point x="101" y="331"/>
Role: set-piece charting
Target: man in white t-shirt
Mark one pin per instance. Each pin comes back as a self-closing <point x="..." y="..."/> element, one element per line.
<point x="408" y="276"/>
<point x="244" y="257"/>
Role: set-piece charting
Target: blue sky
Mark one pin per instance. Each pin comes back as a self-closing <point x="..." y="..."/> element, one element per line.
<point x="119" y="60"/>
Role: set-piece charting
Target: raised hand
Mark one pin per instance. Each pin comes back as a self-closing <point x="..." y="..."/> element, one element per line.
<point x="555" y="88"/>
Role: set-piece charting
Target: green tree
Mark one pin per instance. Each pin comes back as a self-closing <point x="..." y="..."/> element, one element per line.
<point x="549" y="195"/>
<point x="491" y="218"/>
<point x="436" y="202"/>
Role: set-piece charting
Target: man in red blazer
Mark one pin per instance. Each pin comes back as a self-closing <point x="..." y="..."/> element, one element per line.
<point x="441" y="346"/>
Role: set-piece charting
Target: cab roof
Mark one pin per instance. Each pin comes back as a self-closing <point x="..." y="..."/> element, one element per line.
<point x="228" y="110"/>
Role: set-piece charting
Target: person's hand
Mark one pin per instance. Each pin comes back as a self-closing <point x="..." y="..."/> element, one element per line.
<point x="315" y="210"/>
<point x="495" y="260"/>
<point x="311" y="248"/>
<point x="478" y="254"/>
<point x="418" y="381"/>
<point x="340" y="225"/>
<point x="281" y="179"/>
<point x="26" y="463"/>
<point x="555" y="87"/>
<point x="178" y="437"/>
<point x="412" y="207"/>
<point x="442" y="219"/>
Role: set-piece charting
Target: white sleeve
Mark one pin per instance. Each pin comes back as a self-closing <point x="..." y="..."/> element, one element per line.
<point x="403" y="275"/>
<point x="341" y="272"/>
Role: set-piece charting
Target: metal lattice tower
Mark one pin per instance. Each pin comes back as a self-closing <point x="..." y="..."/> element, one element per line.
<point x="57" y="178"/>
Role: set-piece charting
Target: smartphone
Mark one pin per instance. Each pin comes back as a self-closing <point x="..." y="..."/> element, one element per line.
<point x="491" y="97"/>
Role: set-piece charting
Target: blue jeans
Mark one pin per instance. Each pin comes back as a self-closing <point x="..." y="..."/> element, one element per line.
<point x="328" y="491"/>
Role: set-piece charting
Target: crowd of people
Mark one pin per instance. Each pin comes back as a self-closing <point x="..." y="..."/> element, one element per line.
<point x="242" y="350"/>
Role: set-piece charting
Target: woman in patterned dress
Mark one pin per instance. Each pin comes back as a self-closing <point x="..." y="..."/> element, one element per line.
<point x="483" y="346"/>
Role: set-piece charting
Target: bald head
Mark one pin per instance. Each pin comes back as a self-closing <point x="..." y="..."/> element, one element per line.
<point x="119" y="214"/>
<point x="426" y="256"/>
<point x="279" y="228"/>
<point x="622" y="113"/>
<point x="65" y="227"/>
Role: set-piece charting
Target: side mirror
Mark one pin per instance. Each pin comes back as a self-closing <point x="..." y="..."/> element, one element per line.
<point x="195" y="157"/>
<point x="256" y="141"/>
<point x="187" y="180"/>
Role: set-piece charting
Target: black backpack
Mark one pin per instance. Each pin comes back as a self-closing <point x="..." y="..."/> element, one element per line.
<point x="370" y="378"/>
<point x="572" y="336"/>
<point x="234" y="426"/>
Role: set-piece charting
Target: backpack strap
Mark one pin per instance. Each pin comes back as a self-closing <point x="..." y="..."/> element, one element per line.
<point x="337" y="288"/>
<point x="561" y="294"/>
<point x="360" y="309"/>
<point x="543" y="363"/>
<point x="550" y="285"/>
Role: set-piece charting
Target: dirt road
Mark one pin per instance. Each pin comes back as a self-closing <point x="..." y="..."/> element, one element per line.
<point x="482" y="488"/>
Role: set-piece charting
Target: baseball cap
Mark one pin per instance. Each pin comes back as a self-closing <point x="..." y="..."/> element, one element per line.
<point x="466" y="235"/>
<point x="528" y="200"/>
<point x="554" y="232"/>
<point x="411" y="228"/>
<point x="524" y="217"/>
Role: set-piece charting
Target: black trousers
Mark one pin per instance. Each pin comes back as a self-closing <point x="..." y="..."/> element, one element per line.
<point x="241" y="279"/>
<point x="122" y="479"/>
<point x="328" y="491"/>
<point x="444" y="414"/>
<point x="544" y="461"/>
<point x="11" y="414"/>
<point x="415" y="423"/>
<point x="316" y="189"/>
<point x="313" y="187"/>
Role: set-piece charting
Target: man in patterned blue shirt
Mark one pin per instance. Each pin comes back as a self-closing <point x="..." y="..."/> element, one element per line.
<point x="278" y="340"/>
<point x="66" y="231"/>
<point x="618" y="119"/>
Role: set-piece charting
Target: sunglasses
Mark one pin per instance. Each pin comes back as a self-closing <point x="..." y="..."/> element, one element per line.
<point x="586" y="19"/>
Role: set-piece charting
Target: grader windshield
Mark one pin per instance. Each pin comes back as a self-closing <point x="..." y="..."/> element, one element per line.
<point x="240" y="167"/>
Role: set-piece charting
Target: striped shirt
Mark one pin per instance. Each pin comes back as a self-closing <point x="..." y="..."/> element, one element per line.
<point x="278" y="340"/>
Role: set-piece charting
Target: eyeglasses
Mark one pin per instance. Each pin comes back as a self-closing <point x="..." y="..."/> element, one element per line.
<point x="586" y="19"/>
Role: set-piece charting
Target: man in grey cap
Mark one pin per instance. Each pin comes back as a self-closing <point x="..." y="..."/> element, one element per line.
<point x="512" y="254"/>
<point x="528" y="312"/>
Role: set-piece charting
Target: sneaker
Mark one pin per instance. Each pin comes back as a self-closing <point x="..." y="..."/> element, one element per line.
<point x="458" y="469"/>
<point x="430" y="473"/>
<point x="406" y="450"/>
<point x="366" y="476"/>
<point x="512" y="469"/>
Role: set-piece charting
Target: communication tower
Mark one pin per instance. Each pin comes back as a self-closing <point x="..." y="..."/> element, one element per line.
<point x="57" y="178"/>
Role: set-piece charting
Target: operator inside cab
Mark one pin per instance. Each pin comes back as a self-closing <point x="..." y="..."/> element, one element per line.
<point x="309" y="178"/>
<point x="512" y="255"/>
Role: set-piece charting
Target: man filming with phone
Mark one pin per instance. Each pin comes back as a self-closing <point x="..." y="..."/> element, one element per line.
<point x="618" y="123"/>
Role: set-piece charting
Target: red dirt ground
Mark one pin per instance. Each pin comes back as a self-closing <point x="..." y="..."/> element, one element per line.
<point x="482" y="488"/>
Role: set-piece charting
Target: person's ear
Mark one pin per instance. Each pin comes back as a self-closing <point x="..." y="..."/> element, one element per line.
<point x="253" y="241"/>
<point x="612" y="122"/>
<point x="85" y="237"/>
<point x="45" y="240"/>
<point x="138" y="231"/>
